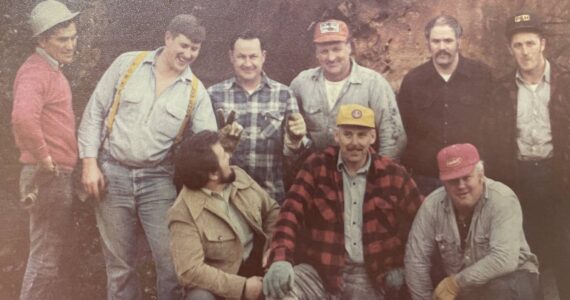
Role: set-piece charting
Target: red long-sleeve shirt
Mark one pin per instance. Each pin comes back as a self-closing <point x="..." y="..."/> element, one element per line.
<point x="42" y="117"/>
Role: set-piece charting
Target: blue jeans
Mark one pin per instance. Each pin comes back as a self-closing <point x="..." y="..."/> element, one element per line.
<point x="136" y="195"/>
<point x="51" y="222"/>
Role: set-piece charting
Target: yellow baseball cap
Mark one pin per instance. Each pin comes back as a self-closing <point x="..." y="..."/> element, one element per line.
<point x="356" y="115"/>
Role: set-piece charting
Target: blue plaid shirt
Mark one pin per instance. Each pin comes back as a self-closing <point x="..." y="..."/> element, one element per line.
<point x="262" y="115"/>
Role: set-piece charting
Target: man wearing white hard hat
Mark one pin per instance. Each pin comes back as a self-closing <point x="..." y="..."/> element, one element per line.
<point x="44" y="128"/>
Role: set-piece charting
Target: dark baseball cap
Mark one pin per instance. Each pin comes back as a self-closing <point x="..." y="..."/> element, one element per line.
<point x="523" y="22"/>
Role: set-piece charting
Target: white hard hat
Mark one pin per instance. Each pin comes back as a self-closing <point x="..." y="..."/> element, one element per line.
<point x="48" y="14"/>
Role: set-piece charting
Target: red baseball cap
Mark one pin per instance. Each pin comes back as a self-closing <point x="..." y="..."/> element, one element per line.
<point x="331" y="31"/>
<point x="456" y="161"/>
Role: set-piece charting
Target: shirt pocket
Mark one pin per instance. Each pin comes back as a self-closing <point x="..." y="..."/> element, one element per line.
<point x="167" y="123"/>
<point x="219" y="243"/>
<point x="449" y="251"/>
<point x="130" y="109"/>
<point x="314" y="118"/>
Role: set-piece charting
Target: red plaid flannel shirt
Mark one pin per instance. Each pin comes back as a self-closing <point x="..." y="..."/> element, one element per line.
<point x="310" y="228"/>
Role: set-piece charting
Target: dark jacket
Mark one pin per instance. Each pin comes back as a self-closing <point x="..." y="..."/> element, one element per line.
<point x="436" y="113"/>
<point x="499" y="128"/>
<point x="310" y="228"/>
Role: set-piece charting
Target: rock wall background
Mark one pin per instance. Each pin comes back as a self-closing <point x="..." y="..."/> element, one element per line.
<point x="388" y="38"/>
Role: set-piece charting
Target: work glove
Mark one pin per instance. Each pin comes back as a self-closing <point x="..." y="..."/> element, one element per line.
<point x="230" y="131"/>
<point x="279" y="280"/>
<point x="395" y="279"/>
<point x="296" y="129"/>
<point x="447" y="289"/>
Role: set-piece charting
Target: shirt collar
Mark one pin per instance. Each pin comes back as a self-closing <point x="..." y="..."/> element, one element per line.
<point x="53" y="63"/>
<point x="545" y="76"/>
<point x="363" y="170"/>
<point x="223" y="195"/>
<point x="153" y="56"/>
<point x="232" y="82"/>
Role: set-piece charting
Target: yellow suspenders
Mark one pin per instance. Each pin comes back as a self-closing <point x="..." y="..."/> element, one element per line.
<point x="132" y="68"/>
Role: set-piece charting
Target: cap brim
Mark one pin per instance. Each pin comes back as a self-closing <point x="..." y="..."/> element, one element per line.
<point x="69" y="17"/>
<point x="458" y="173"/>
<point x="330" y="38"/>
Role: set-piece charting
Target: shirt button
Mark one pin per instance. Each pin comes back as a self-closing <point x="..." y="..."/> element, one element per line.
<point x="445" y="123"/>
<point x="354" y="244"/>
<point x="353" y="223"/>
<point x="354" y="183"/>
<point x="219" y="237"/>
<point x="354" y="203"/>
<point x="445" y="105"/>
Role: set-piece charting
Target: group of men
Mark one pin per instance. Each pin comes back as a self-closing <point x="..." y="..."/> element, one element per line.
<point x="352" y="215"/>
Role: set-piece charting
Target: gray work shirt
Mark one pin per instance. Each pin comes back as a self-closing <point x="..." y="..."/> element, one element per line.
<point x="353" y="187"/>
<point x="145" y="125"/>
<point x="533" y="118"/>
<point x="495" y="244"/>
<point x="365" y="87"/>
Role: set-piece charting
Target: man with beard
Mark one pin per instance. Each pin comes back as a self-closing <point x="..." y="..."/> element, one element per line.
<point x="143" y="103"/>
<point x="527" y="143"/>
<point x="44" y="128"/>
<point x="345" y="221"/>
<point x="220" y="224"/>
<point x="441" y="101"/>
<point x="267" y="110"/>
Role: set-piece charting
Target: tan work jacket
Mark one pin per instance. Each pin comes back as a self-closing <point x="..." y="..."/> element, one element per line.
<point x="206" y="249"/>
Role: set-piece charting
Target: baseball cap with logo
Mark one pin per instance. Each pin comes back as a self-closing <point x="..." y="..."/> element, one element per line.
<point x="331" y="31"/>
<point x="457" y="161"/>
<point x="523" y="21"/>
<point x="356" y="115"/>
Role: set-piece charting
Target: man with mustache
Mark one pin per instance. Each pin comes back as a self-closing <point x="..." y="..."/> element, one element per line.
<point x="43" y="123"/>
<point x="441" y="101"/>
<point x="344" y="223"/>
<point x="267" y="110"/>
<point x="141" y="105"/>
<point x="220" y="224"/>
<point x="527" y="143"/>
<point x="341" y="80"/>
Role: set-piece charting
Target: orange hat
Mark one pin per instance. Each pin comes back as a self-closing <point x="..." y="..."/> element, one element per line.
<point x="331" y="31"/>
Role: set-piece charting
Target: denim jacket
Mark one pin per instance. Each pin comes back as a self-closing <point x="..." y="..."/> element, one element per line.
<point x="495" y="244"/>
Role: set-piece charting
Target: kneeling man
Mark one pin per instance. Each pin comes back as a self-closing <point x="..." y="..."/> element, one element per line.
<point x="472" y="226"/>
<point x="220" y="224"/>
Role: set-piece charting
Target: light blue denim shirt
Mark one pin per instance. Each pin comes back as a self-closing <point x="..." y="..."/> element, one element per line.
<point x="365" y="87"/>
<point x="353" y="188"/>
<point x="495" y="244"/>
<point x="145" y="125"/>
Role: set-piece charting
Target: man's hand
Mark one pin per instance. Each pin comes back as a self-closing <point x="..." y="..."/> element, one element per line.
<point x="230" y="131"/>
<point x="253" y="288"/>
<point x="92" y="178"/>
<point x="279" y="280"/>
<point x="296" y="129"/>
<point x="447" y="289"/>
<point x="47" y="164"/>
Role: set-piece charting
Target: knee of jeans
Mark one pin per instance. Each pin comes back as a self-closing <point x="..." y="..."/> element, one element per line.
<point x="199" y="294"/>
